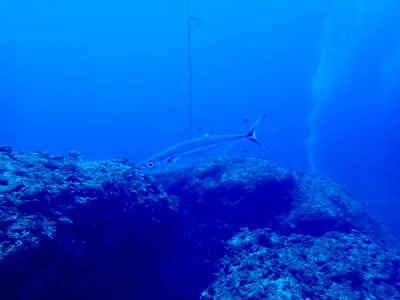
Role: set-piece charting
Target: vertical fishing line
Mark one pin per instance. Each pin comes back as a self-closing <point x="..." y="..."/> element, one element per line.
<point x="190" y="19"/>
<point x="190" y="73"/>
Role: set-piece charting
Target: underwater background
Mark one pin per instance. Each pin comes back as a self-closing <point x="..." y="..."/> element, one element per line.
<point x="109" y="78"/>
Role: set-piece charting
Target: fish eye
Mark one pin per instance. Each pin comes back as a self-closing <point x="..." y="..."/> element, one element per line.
<point x="150" y="165"/>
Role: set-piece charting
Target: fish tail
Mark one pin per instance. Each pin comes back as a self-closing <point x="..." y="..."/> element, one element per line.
<point x="252" y="133"/>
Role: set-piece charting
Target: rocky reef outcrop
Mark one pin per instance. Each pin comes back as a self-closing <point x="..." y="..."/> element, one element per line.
<point x="234" y="228"/>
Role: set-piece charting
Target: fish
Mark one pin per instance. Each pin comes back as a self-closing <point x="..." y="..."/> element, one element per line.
<point x="195" y="151"/>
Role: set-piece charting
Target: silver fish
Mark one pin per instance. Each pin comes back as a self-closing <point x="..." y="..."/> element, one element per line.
<point x="195" y="151"/>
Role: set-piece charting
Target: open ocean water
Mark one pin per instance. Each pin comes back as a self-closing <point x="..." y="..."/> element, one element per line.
<point x="130" y="78"/>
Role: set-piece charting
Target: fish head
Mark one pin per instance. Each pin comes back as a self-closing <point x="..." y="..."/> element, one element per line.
<point x="157" y="165"/>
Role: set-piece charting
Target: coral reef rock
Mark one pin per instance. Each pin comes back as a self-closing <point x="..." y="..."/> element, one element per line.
<point x="233" y="228"/>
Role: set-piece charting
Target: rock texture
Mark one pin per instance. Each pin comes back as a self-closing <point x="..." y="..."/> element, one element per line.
<point x="230" y="229"/>
<point x="261" y="264"/>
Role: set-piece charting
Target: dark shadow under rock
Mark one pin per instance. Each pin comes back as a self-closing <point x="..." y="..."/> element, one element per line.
<point x="245" y="193"/>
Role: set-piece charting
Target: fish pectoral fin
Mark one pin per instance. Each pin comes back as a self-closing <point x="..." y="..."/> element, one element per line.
<point x="172" y="159"/>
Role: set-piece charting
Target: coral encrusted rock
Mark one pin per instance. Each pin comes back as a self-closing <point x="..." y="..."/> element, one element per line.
<point x="233" y="228"/>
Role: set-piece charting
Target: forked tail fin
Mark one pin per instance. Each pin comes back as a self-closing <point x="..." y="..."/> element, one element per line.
<point x="252" y="133"/>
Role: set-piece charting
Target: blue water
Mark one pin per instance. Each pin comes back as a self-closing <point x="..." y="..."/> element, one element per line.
<point x="111" y="78"/>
